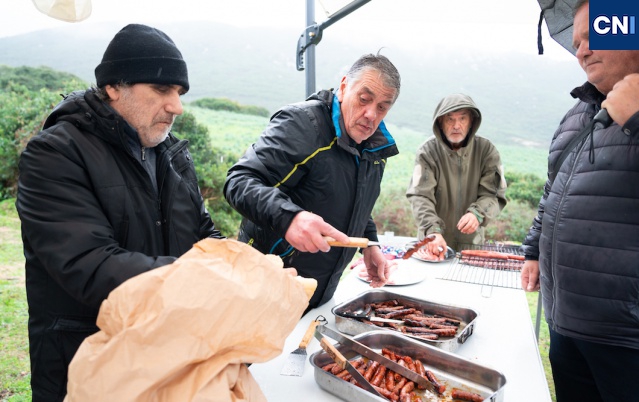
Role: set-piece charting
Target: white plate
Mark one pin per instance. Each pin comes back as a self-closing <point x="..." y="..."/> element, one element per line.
<point x="404" y="274"/>
<point x="450" y="254"/>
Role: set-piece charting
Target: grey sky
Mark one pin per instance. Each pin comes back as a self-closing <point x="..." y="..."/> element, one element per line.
<point x="492" y="25"/>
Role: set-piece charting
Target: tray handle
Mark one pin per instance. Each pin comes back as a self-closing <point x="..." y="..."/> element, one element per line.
<point x="468" y="331"/>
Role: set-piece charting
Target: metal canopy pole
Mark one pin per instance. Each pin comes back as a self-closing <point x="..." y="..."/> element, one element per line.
<point x="312" y="35"/>
<point x="310" y="51"/>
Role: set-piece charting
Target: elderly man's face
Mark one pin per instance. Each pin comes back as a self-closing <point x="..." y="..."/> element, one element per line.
<point x="364" y="104"/>
<point x="604" y="68"/>
<point x="456" y="125"/>
<point x="150" y="109"/>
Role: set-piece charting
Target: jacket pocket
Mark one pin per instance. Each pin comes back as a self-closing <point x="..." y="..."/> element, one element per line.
<point x="57" y="346"/>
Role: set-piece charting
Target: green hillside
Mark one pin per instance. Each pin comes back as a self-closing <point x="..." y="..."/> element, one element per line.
<point x="233" y="133"/>
<point x="522" y="95"/>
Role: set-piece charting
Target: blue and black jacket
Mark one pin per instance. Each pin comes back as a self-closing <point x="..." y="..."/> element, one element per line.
<point x="305" y="161"/>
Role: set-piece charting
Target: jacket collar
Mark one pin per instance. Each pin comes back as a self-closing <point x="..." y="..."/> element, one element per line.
<point x="379" y="141"/>
<point x="588" y="93"/>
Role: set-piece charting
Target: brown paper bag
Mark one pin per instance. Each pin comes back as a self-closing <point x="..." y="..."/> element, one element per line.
<point x="182" y="332"/>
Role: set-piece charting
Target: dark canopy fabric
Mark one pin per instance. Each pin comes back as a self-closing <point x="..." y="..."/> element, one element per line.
<point x="558" y="16"/>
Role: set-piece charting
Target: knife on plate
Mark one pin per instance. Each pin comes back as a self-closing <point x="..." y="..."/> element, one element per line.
<point x="371" y="354"/>
<point x="359" y="242"/>
<point x="344" y="363"/>
<point x="360" y="316"/>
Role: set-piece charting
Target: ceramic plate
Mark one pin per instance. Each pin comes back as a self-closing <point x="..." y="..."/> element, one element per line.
<point x="404" y="274"/>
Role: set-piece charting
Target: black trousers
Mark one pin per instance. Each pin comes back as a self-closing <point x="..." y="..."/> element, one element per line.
<point x="593" y="372"/>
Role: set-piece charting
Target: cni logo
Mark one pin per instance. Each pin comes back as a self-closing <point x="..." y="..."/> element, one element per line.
<point x="612" y="24"/>
<point x="624" y="25"/>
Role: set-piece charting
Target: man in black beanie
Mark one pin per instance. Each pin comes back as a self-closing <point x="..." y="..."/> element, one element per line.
<point x="105" y="193"/>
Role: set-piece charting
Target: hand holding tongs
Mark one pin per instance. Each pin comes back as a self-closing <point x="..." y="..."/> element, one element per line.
<point x="359" y="242"/>
<point x="411" y="250"/>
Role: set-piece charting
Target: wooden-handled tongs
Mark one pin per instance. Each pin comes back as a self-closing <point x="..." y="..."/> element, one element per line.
<point x="359" y="242"/>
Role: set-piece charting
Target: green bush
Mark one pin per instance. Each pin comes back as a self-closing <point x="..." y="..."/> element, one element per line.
<point x="230" y="106"/>
<point x="211" y="166"/>
<point x="37" y="78"/>
<point x="524" y="187"/>
<point x="23" y="113"/>
<point x="513" y="222"/>
<point x="393" y="213"/>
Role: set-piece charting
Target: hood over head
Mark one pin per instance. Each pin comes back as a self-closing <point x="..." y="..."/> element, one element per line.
<point x="452" y="103"/>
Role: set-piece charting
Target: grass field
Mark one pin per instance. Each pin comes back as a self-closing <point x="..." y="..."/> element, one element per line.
<point x="14" y="357"/>
<point x="14" y="348"/>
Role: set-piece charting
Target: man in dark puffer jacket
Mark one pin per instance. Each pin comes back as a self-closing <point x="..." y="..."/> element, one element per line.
<point x="583" y="247"/>
<point x="105" y="193"/>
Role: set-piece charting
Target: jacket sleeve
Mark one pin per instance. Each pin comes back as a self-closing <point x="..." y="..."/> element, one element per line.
<point x="371" y="230"/>
<point x="64" y="227"/>
<point x="256" y="186"/>
<point x="530" y="245"/>
<point x="491" y="191"/>
<point x="421" y="194"/>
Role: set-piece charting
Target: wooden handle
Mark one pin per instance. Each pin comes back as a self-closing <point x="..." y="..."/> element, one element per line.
<point x="359" y="242"/>
<point x="309" y="334"/>
<point x="333" y="353"/>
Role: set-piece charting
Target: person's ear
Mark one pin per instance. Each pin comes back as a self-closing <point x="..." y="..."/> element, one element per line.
<point x="113" y="91"/>
<point x="342" y="87"/>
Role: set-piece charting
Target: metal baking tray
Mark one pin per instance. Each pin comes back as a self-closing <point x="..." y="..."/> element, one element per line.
<point x="353" y="326"/>
<point x="450" y="369"/>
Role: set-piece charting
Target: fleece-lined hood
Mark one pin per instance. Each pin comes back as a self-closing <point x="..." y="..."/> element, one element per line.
<point x="453" y="103"/>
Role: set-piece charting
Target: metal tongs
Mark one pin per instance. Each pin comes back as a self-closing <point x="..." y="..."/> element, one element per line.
<point x="342" y="361"/>
<point x="411" y="250"/>
<point x="365" y="351"/>
<point x="364" y="316"/>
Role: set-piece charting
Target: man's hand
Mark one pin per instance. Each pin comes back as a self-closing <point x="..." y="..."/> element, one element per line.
<point x="307" y="232"/>
<point x="530" y="276"/>
<point x="438" y="246"/>
<point x="623" y="101"/>
<point x="468" y="223"/>
<point x="377" y="266"/>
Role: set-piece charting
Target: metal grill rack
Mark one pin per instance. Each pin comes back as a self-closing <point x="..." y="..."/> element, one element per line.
<point x="493" y="272"/>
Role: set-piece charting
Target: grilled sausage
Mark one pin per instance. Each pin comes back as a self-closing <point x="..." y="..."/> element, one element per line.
<point x="466" y="396"/>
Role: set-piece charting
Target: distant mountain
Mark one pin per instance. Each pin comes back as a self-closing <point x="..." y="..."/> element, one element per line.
<point x="522" y="96"/>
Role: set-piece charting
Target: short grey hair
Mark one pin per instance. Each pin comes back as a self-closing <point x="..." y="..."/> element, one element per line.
<point x="103" y="94"/>
<point x="390" y="75"/>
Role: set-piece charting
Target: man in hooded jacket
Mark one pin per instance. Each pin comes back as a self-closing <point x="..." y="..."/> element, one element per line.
<point x="105" y="193"/>
<point x="457" y="186"/>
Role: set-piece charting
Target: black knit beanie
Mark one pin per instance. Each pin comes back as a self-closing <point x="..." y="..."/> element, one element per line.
<point x="141" y="54"/>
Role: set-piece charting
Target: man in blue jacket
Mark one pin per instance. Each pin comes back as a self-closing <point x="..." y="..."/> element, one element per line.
<point x="105" y="193"/>
<point x="315" y="172"/>
<point x="582" y="250"/>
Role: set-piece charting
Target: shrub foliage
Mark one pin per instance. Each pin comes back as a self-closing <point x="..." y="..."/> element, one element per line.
<point x="211" y="165"/>
<point x="230" y="106"/>
<point x="27" y="96"/>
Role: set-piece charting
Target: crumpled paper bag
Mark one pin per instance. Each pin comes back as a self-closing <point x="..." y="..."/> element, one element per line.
<point x="183" y="331"/>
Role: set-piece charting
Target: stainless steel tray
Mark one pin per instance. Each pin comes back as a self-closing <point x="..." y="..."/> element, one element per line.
<point x="353" y="326"/>
<point x="452" y="370"/>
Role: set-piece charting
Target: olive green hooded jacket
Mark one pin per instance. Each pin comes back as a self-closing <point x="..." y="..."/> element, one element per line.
<point x="447" y="184"/>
